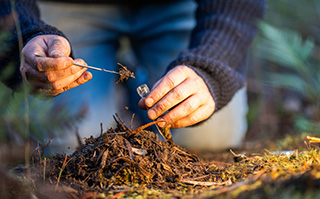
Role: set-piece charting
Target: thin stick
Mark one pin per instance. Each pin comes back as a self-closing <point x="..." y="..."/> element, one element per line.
<point x="101" y="127"/>
<point x="95" y="68"/>
<point x="44" y="169"/>
<point x="313" y="139"/>
<point x="65" y="162"/>
<point x="142" y="127"/>
<point x="131" y="125"/>
<point x="85" y="66"/>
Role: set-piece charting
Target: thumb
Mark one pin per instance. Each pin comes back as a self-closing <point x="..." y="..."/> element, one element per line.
<point x="58" y="46"/>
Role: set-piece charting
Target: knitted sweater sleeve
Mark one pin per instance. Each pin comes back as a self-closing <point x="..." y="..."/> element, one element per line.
<point x="30" y="24"/>
<point x="219" y="43"/>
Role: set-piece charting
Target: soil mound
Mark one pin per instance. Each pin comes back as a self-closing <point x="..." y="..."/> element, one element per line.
<point x="121" y="157"/>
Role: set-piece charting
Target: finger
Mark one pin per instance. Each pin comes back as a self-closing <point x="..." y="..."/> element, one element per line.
<point x="58" y="47"/>
<point x="45" y="45"/>
<point x="172" y="98"/>
<point x="68" y="80"/>
<point x="142" y="104"/>
<point x="173" y="78"/>
<point x="197" y="116"/>
<point x="86" y="76"/>
<point x="51" y="64"/>
<point x="39" y="87"/>
<point x="184" y="109"/>
<point x="60" y="83"/>
<point x="32" y="74"/>
<point x="51" y="76"/>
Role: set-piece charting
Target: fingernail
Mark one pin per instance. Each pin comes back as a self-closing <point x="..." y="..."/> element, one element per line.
<point x="87" y="76"/>
<point x="149" y="102"/>
<point x="56" y="54"/>
<point x="39" y="54"/>
<point x="161" y="123"/>
<point x="152" y="114"/>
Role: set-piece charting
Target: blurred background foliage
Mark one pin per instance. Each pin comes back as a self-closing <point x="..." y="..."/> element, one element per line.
<point x="284" y="74"/>
<point x="18" y="124"/>
<point x="45" y="120"/>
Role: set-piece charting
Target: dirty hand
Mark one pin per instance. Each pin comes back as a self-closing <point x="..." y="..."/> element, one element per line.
<point x="184" y="94"/>
<point x="52" y="71"/>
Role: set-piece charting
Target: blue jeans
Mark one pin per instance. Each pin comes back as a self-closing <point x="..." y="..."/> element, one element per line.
<point x="154" y="36"/>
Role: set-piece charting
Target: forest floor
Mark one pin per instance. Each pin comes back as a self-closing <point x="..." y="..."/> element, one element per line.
<point x="126" y="163"/>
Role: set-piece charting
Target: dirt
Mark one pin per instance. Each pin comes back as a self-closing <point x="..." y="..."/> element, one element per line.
<point x="123" y="162"/>
<point x="121" y="158"/>
<point x="124" y="73"/>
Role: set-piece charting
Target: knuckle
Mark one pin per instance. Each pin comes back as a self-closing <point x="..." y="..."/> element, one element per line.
<point x="55" y="41"/>
<point x="80" y="80"/>
<point x="183" y="69"/>
<point x="169" y="118"/>
<point x="177" y="124"/>
<point x="161" y="107"/>
<point x="39" y="66"/>
<point x="170" y="82"/>
<point x="49" y="76"/>
<point x="188" y="106"/>
<point x="178" y="93"/>
<point x="72" y="69"/>
<point x="62" y="63"/>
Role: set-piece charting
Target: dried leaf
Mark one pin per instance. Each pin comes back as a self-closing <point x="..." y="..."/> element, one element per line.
<point x="139" y="151"/>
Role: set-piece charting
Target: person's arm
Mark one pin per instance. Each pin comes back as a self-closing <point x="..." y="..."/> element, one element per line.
<point x="53" y="73"/>
<point x="224" y="31"/>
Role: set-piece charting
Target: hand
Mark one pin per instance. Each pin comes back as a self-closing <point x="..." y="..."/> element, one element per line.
<point x="184" y="94"/>
<point x="52" y="71"/>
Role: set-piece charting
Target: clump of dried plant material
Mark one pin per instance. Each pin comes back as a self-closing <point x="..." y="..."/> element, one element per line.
<point x="122" y="158"/>
<point x="124" y="73"/>
<point x="123" y="162"/>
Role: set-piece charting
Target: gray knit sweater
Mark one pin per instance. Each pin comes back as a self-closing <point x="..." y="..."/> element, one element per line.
<point x="217" y="51"/>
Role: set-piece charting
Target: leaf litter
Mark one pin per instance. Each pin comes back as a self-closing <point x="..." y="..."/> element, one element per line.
<point x="120" y="158"/>
<point x="122" y="162"/>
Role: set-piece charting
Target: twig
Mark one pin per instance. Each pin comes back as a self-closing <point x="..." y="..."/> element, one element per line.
<point x="313" y="139"/>
<point x="187" y="181"/>
<point x="233" y="153"/>
<point x="131" y="124"/>
<point x="101" y="127"/>
<point x="44" y="169"/>
<point x="129" y="148"/>
<point x="86" y="66"/>
<point x="65" y="162"/>
<point x="104" y="158"/>
<point x="39" y="153"/>
<point x="143" y="127"/>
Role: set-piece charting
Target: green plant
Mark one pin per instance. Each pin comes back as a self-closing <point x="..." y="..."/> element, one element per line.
<point x="22" y="116"/>
<point x="298" y="69"/>
<point x="45" y="119"/>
